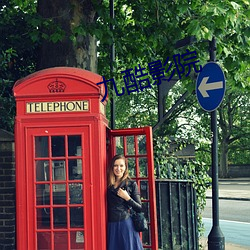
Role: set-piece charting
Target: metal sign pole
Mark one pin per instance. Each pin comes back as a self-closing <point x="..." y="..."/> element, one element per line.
<point x="216" y="240"/>
<point x="112" y="61"/>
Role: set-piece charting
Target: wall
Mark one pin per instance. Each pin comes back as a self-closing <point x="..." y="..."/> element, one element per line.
<point x="7" y="191"/>
<point x="238" y="171"/>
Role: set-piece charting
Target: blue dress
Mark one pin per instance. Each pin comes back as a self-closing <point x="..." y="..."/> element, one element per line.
<point x="121" y="232"/>
<point x="122" y="236"/>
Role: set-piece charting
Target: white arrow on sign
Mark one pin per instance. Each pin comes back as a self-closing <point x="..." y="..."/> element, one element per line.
<point x="204" y="86"/>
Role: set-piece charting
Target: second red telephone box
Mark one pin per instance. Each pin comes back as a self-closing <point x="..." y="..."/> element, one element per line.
<point x="61" y="160"/>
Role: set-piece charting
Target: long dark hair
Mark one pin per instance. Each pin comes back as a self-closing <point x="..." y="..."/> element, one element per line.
<point x="111" y="175"/>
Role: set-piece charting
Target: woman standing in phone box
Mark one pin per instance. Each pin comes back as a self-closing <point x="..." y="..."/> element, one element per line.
<point x="122" y="195"/>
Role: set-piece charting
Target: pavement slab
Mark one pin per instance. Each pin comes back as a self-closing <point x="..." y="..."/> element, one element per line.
<point x="242" y="192"/>
<point x="228" y="246"/>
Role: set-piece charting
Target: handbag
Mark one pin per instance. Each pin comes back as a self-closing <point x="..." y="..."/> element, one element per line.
<point x="139" y="221"/>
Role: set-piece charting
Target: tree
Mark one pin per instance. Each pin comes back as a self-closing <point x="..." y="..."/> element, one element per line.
<point x="227" y="21"/>
<point x="145" y="31"/>
<point x="17" y="54"/>
<point x="234" y="119"/>
<point x="68" y="40"/>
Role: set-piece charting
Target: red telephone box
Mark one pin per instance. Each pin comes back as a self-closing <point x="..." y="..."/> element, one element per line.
<point x="62" y="149"/>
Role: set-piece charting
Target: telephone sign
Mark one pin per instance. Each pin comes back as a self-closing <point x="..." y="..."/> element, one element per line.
<point x="65" y="106"/>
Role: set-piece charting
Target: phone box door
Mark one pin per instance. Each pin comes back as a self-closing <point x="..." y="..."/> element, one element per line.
<point x="137" y="146"/>
<point x="59" y="205"/>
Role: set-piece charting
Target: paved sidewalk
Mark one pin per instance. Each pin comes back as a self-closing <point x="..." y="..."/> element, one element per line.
<point x="228" y="246"/>
<point x="230" y="194"/>
<point x="242" y="193"/>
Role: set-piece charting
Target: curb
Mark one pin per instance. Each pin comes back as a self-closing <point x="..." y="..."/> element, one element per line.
<point x="230" y="198"/>
<point x="243" y="179"/>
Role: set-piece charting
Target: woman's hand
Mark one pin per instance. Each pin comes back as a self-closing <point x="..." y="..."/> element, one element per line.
<point x="123" y="194"/>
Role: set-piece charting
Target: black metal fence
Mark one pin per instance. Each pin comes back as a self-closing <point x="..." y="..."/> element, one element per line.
<point x="176" y="210"/>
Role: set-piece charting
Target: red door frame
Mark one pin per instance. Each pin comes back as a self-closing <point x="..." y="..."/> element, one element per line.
<point x="147" y="131"/>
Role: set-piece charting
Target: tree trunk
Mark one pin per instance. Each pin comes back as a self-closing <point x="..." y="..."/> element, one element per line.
<point x="223" y="166"/>
<point x="74" y="49"/>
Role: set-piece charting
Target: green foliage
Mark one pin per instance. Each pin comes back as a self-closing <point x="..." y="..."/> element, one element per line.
<point x="234" y="117"/>
<point x="148" y="30"/>
<point x="17" y="54"/>
<point x="173" y="167"/>
<point x="144" y="31"/>
<point x="7" y="106"/>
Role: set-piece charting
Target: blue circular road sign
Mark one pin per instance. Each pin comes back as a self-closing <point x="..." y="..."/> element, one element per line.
<point x="210" y="86"/>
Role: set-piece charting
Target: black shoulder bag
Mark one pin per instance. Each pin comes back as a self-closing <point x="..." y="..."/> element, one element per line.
<point x="139" y="220"/>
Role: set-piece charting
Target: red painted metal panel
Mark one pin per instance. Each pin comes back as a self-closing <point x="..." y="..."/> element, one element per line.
<point x="68" y="85"/>
<point x="21" y="196"/>
<point x="87" y="194"/>
<point x="76" y="80"/>
<point x="91" y="124"/>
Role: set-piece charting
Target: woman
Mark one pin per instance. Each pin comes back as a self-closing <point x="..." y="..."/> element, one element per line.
<point x="122" y="195"/>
